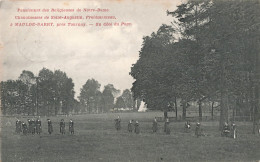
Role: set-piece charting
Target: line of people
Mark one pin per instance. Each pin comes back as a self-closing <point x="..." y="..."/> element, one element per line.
<point x="136" y="128"/>
<point x="133" y="127"/>
<point x="35" y="126"/>
<point x="62" y="126"/>
<point x="227" y="131"/>
<point x="130" y="127"/>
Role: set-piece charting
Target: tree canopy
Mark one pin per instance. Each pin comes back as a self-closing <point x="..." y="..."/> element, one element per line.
<point x="211" y="50"/>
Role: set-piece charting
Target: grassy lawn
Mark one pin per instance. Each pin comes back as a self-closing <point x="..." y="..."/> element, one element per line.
<point x="96" y="139"/>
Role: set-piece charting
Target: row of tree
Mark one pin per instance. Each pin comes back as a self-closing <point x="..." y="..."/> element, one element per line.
<point x="52" y="93"/>
<point x="209" y="52"/>
<point x="95" y="101"/>
<point x="46" y="94"/>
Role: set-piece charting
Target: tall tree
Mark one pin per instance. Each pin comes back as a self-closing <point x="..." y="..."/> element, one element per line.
<point x="108" y="96"/>
<point x="221" y="31"/>
<point x="88" y="94"/>
<point x="64" y="92"/>
<point x="120" y="103"/>
<point x="28" y="78"/>
<point x="215" y="58"/>
<point x="150" y="84"/>
<point x="45" y="92"/>
<point x="128" y="98"/>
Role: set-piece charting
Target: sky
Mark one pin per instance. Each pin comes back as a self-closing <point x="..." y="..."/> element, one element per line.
<point x="103" y="53"/>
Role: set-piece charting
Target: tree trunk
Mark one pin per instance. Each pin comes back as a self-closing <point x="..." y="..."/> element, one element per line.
<point x="256" y="109"/>
<point x="223" y="96"/>
<point x="251" y="100"/>
<point x="237" y="106"/>
<point x="28" y="111"/>
<point x="256" y="91"/>
<point x="37" y="99"/>
<point x="88" y="106"/>
<point x="212" y="110"/>
<point x="184" y="106"/>
<point x="223" y="110"/>
<point x="200" y="111"/>
<point x="48" y="110"/>
<point x="56" y="107"/>
<point x="165" y="113"/>
<point x="176" y="108"/>
<point x="233" y="118"/>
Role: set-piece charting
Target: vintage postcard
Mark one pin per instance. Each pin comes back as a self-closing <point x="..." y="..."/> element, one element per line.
<point x="129" y="80"/>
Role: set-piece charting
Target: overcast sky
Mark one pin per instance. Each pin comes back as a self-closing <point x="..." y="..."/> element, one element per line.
<point x="103" y="53"/>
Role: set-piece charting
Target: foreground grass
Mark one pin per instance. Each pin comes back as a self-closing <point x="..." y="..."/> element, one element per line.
<point x="96" y="139"/>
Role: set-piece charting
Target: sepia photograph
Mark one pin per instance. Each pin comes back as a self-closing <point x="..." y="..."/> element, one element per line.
<point x="129" y="80"/>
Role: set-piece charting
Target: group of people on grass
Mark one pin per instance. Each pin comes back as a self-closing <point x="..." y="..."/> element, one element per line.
<point x="130" y="127"/>
<point x="35" y="126"/>
<point x="227" y="131"/>
<point x="134" y="126"/>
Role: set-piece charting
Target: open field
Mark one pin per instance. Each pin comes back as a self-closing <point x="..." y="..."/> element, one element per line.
<point x="96" y="139"/>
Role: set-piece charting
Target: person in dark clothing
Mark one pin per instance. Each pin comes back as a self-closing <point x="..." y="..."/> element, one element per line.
<point x="33" y="125"/>
<point x="137" y="128"/>
<point x="198" y="131"/>
<point x="167" y="126"/>
<point x="118" y="123"/>
<point x="130" y="126"/>
<point x="38" y="124"/>
<point x="62" y="126"/>
<point x="30" y="126"/>
<point x="24" y="127"/>
<point x="50" y="128"/>
<point x="71" y="127"/>
<point x="18" y="125"/>
<point x="155" y="125"/>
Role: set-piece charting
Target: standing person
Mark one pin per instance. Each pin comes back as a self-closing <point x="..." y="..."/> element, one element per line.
<point x="130" y="126"/>
<point x="18" y="125"/>
<point x="198" y="131"/>
<point x="118" y="123"/>
<point x="62" y="126"/>
<point x="33" y="125"/>
<point x="155" y="125"/>
<point x="50" y="128"/>
<point x="233" y="131"/>
<point x="30" y="126"/>
<point x="167" y="126"/>
<point x="71" y="126"/>
<point x="24" y="127"/>
<point x="38" y="124"/>
<point x="137" y="128"/>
